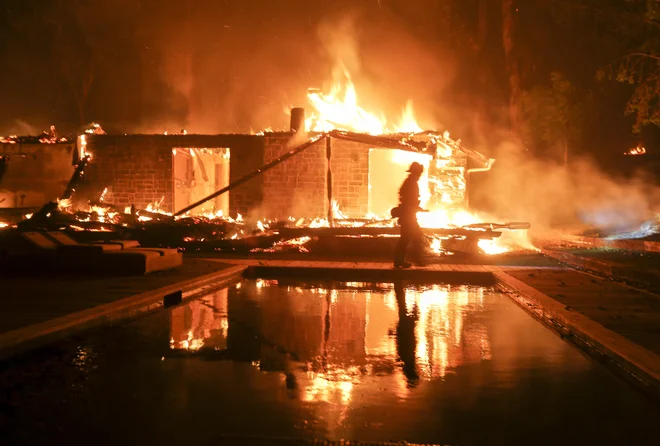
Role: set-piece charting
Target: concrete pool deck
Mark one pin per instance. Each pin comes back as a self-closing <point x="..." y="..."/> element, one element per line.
<point x="615" y="323"/>
<point x="36" y="311"/>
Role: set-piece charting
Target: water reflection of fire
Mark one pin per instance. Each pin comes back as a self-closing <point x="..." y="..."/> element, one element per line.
<point x="200" y="323"/>
<point x="339" y="336"/>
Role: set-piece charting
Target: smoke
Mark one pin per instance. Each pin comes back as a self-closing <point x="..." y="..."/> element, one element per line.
<point x="233" y="73"/>
<point x="21" y="128"/>
<point x="388" y="63"/>
<point x="549" y="196"/>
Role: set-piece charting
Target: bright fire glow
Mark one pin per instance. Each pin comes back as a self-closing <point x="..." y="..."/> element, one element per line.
<point x="340" y="109"/>
<point x="639" y="150"/>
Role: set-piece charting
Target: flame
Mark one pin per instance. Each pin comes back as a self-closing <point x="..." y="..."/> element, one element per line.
<point x="639" y="150"/>
<point x="339" y="109"/>
<point x="3" y="224"/>
<point x="63" y="204"/>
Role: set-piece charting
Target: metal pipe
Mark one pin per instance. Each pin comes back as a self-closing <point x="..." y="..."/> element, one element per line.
<point x="246" y="178"/>
<point x="489" y="164"/>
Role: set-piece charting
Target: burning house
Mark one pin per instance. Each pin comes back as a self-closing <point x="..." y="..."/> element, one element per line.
<point x="337" y="170"/>
<point x="355" y="174"/>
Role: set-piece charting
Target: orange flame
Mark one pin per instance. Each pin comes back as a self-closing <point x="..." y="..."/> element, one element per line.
<point x="639" y="150"/>
<point x="340" y="109"/>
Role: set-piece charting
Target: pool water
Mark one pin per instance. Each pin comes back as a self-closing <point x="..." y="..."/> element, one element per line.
<point x="334" y="360"/>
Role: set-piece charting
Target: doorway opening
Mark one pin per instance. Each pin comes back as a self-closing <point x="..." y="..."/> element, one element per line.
<point x="387" y="170"/>
<point x="198" y="172"/>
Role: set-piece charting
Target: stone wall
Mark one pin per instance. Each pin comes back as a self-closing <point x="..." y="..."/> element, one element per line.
<point x="137" y="169"/>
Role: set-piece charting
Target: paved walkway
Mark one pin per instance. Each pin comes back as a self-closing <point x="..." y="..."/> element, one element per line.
<point x="641" y="268"/>
<point x="633" y="313"/>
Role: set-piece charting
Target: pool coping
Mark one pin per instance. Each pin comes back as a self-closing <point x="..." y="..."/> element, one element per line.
<point x="630" y="361"/>
<point x="36" y="335"/>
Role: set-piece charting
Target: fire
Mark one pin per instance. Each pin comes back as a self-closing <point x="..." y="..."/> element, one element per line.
<point x="339" y="109"/>
<point x="639" y="150"/>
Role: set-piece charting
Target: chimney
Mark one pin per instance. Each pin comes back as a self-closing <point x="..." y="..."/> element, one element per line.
<point x="297" y="119"/>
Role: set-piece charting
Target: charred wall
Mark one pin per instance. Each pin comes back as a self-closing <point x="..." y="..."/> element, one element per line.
<point x="137" y="169"/>
<point x="35" y="173"/>
<point x="298" y="187"/>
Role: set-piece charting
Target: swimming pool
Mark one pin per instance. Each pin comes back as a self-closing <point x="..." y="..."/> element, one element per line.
<point x="279" y="358"/>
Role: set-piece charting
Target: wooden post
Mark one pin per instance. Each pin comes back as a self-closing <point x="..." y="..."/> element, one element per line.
<point x="328" y="155"/>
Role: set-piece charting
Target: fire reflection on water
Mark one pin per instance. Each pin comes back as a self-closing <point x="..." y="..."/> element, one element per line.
<point x="330" y="339"/>
<point x="200" y="323"/>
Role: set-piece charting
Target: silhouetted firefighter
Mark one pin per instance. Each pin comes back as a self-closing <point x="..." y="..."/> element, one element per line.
<point x="406" y="342"/>
<point x="406" y="212"/>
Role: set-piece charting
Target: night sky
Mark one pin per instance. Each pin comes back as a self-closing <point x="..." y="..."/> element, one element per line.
<point x="235" y="66"/>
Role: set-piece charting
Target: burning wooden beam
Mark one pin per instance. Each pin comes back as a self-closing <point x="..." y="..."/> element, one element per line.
<point x="379" y="231"/>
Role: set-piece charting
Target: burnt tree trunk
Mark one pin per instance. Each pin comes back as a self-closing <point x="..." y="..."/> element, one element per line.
<point x="513" y="69"/>
<point x="482" y="76"/>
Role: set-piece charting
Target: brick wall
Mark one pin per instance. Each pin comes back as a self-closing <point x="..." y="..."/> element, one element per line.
<point x="350" y="177"/>
<point x="137" y="169"/>
<point x="298" y="186"/>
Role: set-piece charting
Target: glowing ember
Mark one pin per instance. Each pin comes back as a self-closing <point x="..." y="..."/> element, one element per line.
<point x="639" y="150"/>
<point x="63" y="204"/>
<point x="492" y="247"/>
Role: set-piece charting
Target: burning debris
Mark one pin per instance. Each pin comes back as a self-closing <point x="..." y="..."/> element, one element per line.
<point x="639" y="150"/>
<point x="448" y="228"/>
<point x="50" y="136"/>
<point x="216" y="232"/>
